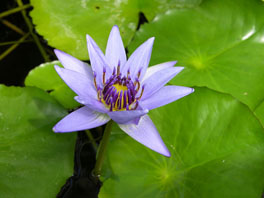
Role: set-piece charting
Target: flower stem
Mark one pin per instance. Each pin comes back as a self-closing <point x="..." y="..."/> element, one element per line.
<point x="90" y="136"/>
<point x="102" y="150"/>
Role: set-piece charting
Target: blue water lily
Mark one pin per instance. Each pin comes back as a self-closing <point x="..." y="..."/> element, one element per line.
<point x="119" y="89"/>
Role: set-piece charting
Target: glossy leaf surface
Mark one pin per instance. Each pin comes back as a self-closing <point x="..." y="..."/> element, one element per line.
<point x="64" y="24"/>
<point x="219" y="42"/>
<point x="217" y="148"/>
<point x="45" y="77"/>
<point x="35" y="162"/>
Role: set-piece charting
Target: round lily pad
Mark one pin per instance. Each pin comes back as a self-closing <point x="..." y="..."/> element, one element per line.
<point x="220" y="42"/>
<point x="34" y="162"/>
<point x="216" y="145"/>
<point x="45" y="77"/>
<point x="64" y="24"/>
<point x="259" y="111"/>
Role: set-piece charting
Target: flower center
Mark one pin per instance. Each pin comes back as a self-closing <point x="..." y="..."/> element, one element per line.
<point x="119" y="92"/>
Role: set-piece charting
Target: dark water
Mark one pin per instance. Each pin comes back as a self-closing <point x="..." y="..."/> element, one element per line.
<point x="16" y="65"/>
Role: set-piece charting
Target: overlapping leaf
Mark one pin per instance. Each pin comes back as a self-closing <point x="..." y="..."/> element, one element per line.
<point x="45" y="77"/>
<point x="220" y="42"/>
<point x="65" y="23"/>
<point x="259" y="112"/>
<point x="35" y="162"/>
<point x="217" y="148"/>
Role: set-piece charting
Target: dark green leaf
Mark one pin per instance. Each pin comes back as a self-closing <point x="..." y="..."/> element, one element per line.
<point x="220" y="42"/>
<point x="35" y="162"/>
<point x="217" y="150"/>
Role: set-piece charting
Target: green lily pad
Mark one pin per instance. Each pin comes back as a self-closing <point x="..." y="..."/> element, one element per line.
<point x="64" y="24"/>
<point x="259" y="111"/>
<point x="34" y="162"/>
<point x="152" y="8"/>
<point x="220" y="42"/>
<point x="216" y="145"/>
<point x="45" y="77"/>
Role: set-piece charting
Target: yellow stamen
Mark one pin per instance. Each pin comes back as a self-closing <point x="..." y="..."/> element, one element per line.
<point x="120" y="87"/>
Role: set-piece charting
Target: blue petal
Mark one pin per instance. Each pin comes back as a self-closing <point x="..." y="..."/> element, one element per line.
<point x="156" y="68"/>
<point x="81" y="119"/>
<point x="115" y="51"/>
<point x="139" y="60"/>
<point x="71" y="63"/>
<point x="165" y="96"/>
<point x="146" y="133"/>
<point x="158" y="80"/>
<point x="122" y="117"/>
<point x="98" y="61"/>
<point x="79" y="83"/>
<point x="92" y="103"/>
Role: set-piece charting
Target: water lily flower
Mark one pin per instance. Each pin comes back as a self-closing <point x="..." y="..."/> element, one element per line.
<point x="119" y="89"/>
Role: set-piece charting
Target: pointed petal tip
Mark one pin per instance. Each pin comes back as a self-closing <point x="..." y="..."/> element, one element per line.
<point x="151" y="40"/>
<point x="57" y="67"/>
<point x="146" y="133"/>
<point x="60" y="54"/>
<point x="77" y="99"/>
<point x="167" y="154"/>
<point x="174" y="62"/>
<point x="115" y="27"/>
<point x="55" y="130"/>
<point x="89" y="39"/>
<point x="56" y="51"/>
<point x="188" y="91"/>
<point x="115" y="31"/>
<point x="145" y="111"/>
<point x="179" y="68"/>
<point x="164" y="151"/>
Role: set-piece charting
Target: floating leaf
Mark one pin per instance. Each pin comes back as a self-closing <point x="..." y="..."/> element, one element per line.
<point x="259" y="111"/>
<point x="217" y="150"/>
<point x="45" y="77"/>
<point x="151" y="8"/>
<point x="35" y="162"/>
<point x="65" y="23"/>
<point x="220" y="42"/>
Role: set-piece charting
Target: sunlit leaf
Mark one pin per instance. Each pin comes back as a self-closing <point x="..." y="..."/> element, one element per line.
<point x="217" y="150"/>
<point x="65" y="23"/>
<point x="220" y="42"/>
<point x="45" y="77"/>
